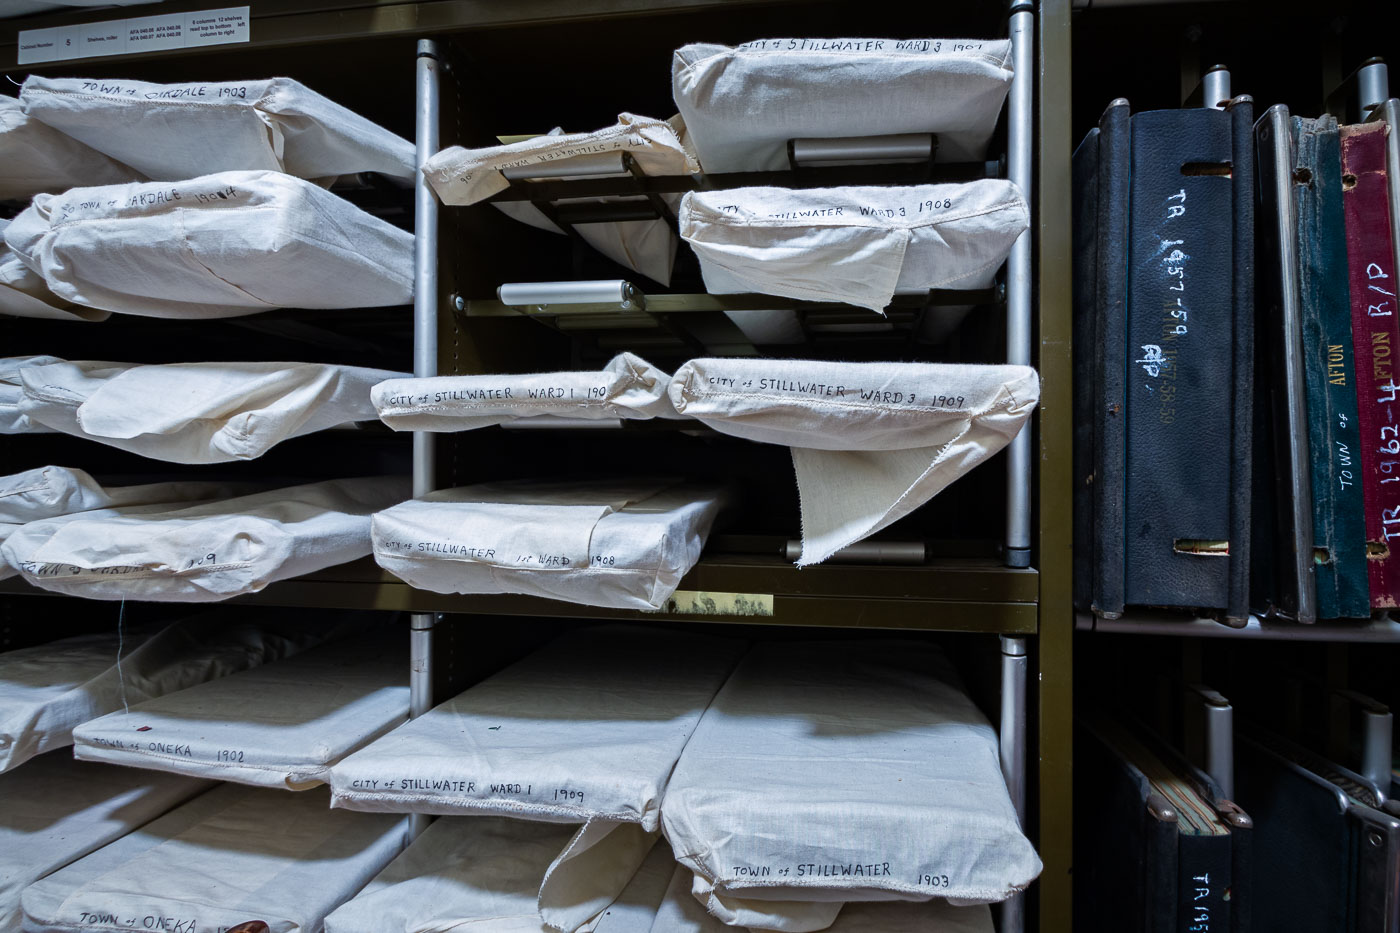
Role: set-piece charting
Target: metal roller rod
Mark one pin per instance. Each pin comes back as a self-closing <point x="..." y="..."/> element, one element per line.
<point x="1018" y="284"/>
<point x="1372" y="85"/>
<point x="868" y="552"/>
<point x="1377" y="739"/>
<point x="425" y="352"/>
<point x="902" y="147"/>
<point x="1013" y="731"/>
<point x="1220" y="739"/>
<point x="1215" y="88"/>
<point x="602" y="291"/>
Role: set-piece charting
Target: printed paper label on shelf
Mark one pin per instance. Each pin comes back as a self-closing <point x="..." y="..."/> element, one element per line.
<point x="135" y="35"/>
<point x="695" y="602"/>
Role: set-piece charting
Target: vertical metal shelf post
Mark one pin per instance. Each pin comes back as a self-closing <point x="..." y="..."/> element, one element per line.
<point x="425" y="349"/>
<point x="1015" y="667"/>
<point x="1019" y="144"/>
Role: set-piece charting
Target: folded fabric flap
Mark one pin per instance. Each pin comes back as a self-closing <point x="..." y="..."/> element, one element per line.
<point x="323" y="138"/>
<point x="594" y="868"/>
<point x="683" y="912"/>
<point x="789" y="916"/>
<point x="50" y="491"/>
<point x="38" y="158"/>
<point x="468" y="176"/>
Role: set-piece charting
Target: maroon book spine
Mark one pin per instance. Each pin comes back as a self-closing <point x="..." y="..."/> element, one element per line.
<point x="1375" y="321"/>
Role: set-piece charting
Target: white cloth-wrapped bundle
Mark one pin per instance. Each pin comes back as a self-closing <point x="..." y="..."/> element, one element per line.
<point x="35" y="158"/>
<point x="221" y="245"/>
<point x="622" y="544"/>
<point x="628" y="387"/>
<point x="468" y="176"/>
<point x="483" y="874"/>
<point x="871" y="442"/>
<point x="585" y="730"/>
<point x="204" y="552"/>
<point x="231" y="855"/>
<point x="741" y="105"/>
<point x="177" y="131"/>
<point x="682" y="913"/>
<point x="57" y="810"/>
<point x="197" y="412"/>
<point x="294" y="719"/>
<point x="51" y="491"/>
<point x="12" y="419"/>
<point x="24" y="294"/>
<point x="48" y="690"/>
<point x="826" y="772"/>
<point x="859" y="245"/>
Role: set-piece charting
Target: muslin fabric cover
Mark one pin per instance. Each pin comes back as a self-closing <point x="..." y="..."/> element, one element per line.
<point x="483" y="874"/>
<point x="469" y="176"/>
<point x="859" y="245"/>
<point x="279" y="725"/>
<point x="176" y="131"/>
<point x="230" y="855"/>
<point x="12" y="419"/>
<point x="623" y="544"/>
<point x="627" y="387"/>
<point x="205" y="552"/>
<point x="48" y="690"/>
<point x="871" y="442"/>
<point x="221" y="245"/>
<point x="741" y="105"/>
<point x="50" y="491"/>
<point x="37" y="158"/>
<point x="197" y="412"/>
<point x="585" y="730"/>
<point x="835" y="771"/>
<point x="24" y="294"/>
<point x="56" y="810"/>
<point x="682" y="913"/>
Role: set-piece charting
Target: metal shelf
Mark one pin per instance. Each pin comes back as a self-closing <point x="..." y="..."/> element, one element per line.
<point x="1162" y="622"/>
<point x="952" y="595"/>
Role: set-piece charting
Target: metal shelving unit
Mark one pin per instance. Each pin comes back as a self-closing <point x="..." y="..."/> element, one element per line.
<point x="1022" y="598"/>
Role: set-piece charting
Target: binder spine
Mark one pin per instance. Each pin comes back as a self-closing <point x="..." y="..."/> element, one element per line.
<point x="1334" y="437"/>
<point x="1241" y="113"/>
<point x="1204" y="882"/>
<point x="1086" y="351"/>
<point x="1376" y="339"/>
<point x="1111" y="412"/>
<point x="1183" y="353"/>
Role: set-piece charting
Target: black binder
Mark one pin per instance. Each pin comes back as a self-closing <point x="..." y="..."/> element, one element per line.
<point x="1326" y="857"/>
<point x="1100" y="295"/>
<point x="1167" y="311"/>
<point x="1163" y="850"/>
